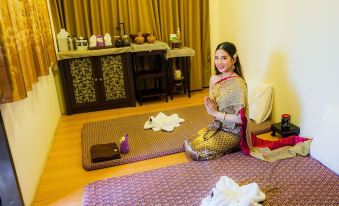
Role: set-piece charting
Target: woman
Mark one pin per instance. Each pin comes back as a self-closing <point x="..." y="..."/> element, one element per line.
<point x="227" y="103"/>
<point x="227" y="97"/>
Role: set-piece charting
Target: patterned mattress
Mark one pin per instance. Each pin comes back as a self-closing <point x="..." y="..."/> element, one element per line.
<point x="146" y="144"/>
<point x="295" y="181"/>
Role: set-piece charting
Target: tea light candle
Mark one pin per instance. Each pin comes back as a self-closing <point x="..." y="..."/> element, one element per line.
<point x="177" y="74"/>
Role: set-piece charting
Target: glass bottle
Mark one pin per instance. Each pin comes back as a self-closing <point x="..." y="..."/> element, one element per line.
<point x="178" y="35"/>
<point x="75" y="44"/>
<point x="70" y="43"/>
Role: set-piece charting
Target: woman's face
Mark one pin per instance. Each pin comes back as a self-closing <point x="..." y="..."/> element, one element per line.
<point x="223" y="61"/>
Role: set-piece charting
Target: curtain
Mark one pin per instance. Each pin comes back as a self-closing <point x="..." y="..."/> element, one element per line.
<point x="26" y="46"/>
<point x="162" y="17"/>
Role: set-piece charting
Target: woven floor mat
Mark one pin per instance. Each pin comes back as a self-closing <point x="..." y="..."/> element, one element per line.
<point x="295" y="181"/>
<point x="146" y="144"/>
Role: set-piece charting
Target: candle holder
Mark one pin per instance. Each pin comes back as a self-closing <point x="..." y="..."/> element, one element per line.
<point x="285" y="121"/>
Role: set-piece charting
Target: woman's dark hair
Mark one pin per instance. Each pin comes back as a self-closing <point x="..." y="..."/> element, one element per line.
<point x="231" y="50"/>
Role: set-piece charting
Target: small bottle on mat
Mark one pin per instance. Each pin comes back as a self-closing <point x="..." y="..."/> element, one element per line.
<point x="124" y="145"/>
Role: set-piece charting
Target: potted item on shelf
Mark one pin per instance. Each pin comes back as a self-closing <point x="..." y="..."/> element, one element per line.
<point x="139" y="39"/>
<point x="151" y="38"/>
<point x="133" y="36"/>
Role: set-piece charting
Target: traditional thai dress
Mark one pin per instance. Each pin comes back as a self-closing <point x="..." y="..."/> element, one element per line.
<point x="221" y="137"/>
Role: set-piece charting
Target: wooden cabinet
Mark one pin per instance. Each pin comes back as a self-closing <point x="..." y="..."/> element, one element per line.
<point x="96" y="83"/>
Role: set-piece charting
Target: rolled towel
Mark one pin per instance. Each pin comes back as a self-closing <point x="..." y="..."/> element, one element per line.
<point x="228" y="192"/>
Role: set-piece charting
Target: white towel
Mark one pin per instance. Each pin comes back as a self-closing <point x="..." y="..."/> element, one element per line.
<point x="163" y="122"/>
<point x="229" y="193"/>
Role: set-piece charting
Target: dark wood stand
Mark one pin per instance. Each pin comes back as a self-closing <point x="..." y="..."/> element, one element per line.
<point x="293" y="130"/>
<point x="182" y="63"/>
<point x="150" y="74"/>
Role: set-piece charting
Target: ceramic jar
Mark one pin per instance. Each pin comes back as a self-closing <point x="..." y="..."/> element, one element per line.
<point x="151" y="38"/>
<point x="139" y="39"/>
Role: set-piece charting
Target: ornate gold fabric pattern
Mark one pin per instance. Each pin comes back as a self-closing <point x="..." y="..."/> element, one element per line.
<point x="113" y="76"/>
<point x="230" y="96"/>
<point x="230" y="93"/>
<point x="82" y="79"/>
<point x="220" y="137"/>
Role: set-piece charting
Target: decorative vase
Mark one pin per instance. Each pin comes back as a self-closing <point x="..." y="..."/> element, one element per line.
<point x="151" y="38"/>
<point x="139" y="39"/>
<point x="125" y="38"/>
<point x="124" y="145"/>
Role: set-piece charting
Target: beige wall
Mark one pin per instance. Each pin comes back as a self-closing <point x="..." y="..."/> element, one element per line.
<point x="291" y="44"/>
<point x="30" y="126"/>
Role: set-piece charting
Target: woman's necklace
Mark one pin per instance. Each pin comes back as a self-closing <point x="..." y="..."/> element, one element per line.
<point x="225" y="76"/>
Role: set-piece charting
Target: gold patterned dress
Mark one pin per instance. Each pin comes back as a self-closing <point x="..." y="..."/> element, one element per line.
<point x="220" y="138"/>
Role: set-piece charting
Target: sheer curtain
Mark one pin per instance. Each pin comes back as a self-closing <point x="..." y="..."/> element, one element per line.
<point x="162" y="17"/>
<point x="26" y="46"/>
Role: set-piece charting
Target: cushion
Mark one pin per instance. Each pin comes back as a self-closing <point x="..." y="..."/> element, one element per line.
<point x="325" y="144"/>
<point x="260" y="100"/>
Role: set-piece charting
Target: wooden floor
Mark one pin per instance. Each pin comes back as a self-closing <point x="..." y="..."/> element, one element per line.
<point x="64" y="178"/>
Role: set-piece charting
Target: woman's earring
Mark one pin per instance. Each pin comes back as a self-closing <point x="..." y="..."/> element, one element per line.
<point x="233" y="68"/>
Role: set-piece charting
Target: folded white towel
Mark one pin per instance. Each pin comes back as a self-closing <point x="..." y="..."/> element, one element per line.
<point x="163" y="122"/>
<point x="229" y="193"/>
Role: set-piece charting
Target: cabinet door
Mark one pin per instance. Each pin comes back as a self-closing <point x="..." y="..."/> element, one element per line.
<point x="82" y="79"/>
<point x="116" y="80"/>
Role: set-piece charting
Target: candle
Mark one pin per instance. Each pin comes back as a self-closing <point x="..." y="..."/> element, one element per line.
<point x="285" y="121"/>
<point x="177" y="74"/>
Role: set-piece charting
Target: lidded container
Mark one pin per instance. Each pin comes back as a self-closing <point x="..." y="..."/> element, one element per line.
<point x="285" y="121"/>
<point x="62" y="39"/>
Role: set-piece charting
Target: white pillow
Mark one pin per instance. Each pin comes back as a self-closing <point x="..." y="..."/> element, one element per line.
<point x="325" y="144"/>
<point x="260" y="100"/>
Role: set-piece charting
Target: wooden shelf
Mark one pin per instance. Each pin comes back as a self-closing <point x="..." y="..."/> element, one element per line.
<point x="150" y="66"/>
<point x="154" y="92"/>
<point x="150" y="74"/>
